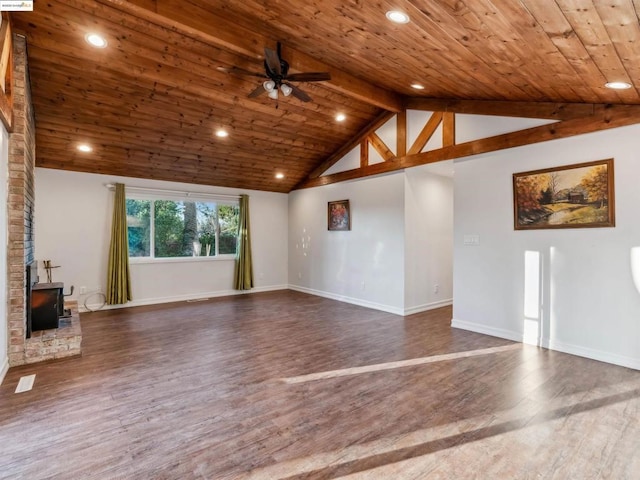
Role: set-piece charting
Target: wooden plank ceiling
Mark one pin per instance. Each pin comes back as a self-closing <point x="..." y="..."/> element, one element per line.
<point x="150" y="102"/>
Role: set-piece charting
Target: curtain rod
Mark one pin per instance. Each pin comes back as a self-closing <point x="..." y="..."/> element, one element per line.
<point x="111" y="186"/>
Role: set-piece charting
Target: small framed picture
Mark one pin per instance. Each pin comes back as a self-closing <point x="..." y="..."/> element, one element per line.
<point x="339" y="215"/>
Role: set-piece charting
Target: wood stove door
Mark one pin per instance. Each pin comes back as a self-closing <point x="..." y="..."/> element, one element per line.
<point x="44" y="308"/>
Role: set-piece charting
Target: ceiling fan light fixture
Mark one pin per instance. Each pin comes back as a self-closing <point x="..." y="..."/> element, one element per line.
<point x="396" y="16"/>
<point x="273" y="94"/>
<point x="286" y="89"/>
<point x="617" y="85"/>
<point x="96" y="40"/>
<point x="269" y="85"/>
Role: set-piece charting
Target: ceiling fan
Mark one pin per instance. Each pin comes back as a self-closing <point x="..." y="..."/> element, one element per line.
<point x="276" y="71"/>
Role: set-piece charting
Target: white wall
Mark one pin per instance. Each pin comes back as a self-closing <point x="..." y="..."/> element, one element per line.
<point x="73" y="218"/>
<point x="589" y="304"/>
<point x="428" y="239"/>
<point x="364" y="266"/>
<point x="4" y="234"/>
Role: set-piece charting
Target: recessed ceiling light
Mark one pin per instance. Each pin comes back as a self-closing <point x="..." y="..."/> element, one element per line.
<point x="417" y="86"/>
<point x="83" y="147"/>
<point x="222" y="133"/>
<point x="397" y="16"/>
<point x="618" y="85"/>
<point x="341" y="117"/>
<point x="95" y="40"/>
<point x="279" y="175"/>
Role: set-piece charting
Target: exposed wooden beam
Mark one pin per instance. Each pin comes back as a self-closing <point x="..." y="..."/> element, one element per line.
<point x="355" y="141"/>
<point x="364" y="153"/>
<point x="6" y="72"/>
<point x="548" y="110"/>
<point x="401" y="133"/>
<point x="448" y="129"/>
<point x="381" y="147"/>
<point x="6" y="111"/>
<point x="426" y="133"/>
<point x="201" y="24"/>
<point x="604" y="117"/>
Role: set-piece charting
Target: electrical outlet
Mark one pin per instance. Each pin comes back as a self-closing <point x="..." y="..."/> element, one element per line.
<point x="83" y="290"/>
<point x="363" y="285"/>
<point x="436" y="288"/>
<point x="472" y="239"/>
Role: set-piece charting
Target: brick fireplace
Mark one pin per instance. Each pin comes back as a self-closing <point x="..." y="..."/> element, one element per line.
<point x="20" y="205"/>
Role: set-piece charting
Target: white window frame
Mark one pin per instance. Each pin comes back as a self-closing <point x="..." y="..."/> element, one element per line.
<point x="152" y="195"/>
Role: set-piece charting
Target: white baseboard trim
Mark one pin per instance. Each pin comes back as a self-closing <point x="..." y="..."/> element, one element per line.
<point x="344" y="298"/>
<point x="178" y="298"/>
<point x="4" y="369"/>
<point x="492" y="331"/>
<point x="591" y="353"/>
<point x="428" y="306"/>
<point x="571" y="349"/>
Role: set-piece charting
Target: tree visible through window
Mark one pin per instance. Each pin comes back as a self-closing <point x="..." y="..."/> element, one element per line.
<point x="173" y="229"/>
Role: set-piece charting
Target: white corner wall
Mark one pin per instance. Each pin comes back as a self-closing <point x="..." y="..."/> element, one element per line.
<point x="72" y="228"/>
<point x="398" y="249"/>
<point x="4" y="234"/>
<point x="589" y="304"/>
<point x="428" y="239"/>
<point x="364" y="266"/>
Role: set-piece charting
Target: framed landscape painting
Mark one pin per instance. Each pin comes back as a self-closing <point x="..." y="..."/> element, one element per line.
<point x="571" y="196"/>
<point x="339" y="215"/>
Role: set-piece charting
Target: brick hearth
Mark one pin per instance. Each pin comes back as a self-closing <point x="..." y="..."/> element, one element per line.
<point x="61" y="342"/>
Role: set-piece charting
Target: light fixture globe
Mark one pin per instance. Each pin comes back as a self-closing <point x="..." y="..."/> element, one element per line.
<point x="269" y="85"/>
<point x="286" y="89"/>
<point x="273" y="94"/>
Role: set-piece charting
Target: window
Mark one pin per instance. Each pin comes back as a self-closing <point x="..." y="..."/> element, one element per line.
<point x="177" y="228"/>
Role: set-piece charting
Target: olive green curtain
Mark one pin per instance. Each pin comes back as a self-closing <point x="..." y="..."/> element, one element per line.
<point x="119" y="279"/>
<point x="244" y="270"/>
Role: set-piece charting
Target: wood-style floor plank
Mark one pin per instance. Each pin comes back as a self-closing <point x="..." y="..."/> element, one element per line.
<point x="260" y="387"/>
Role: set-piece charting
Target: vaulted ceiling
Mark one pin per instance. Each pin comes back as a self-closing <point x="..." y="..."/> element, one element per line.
<point x="151" y="101"/>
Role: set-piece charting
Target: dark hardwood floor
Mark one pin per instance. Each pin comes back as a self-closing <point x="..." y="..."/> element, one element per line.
<point x="264" y="386"/>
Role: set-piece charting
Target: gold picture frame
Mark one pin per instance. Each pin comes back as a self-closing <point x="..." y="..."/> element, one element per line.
<point x="570" y="196"/>
<point x="339" y="215"/>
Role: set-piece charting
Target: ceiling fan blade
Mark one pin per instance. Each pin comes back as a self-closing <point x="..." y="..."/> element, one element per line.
<point x="258" y="91"/>
<point x="273" y="61"/>
<point x="309" y="77"/>
<point x="240" y="71"/>
<point x="299" y="94"/>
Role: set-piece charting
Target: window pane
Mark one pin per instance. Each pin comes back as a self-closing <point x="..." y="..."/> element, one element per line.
<point x="229" y="218"/>
<point x="174" y="231"/>
<point x="207" y="224"/>
<point x="139" y="227"/>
